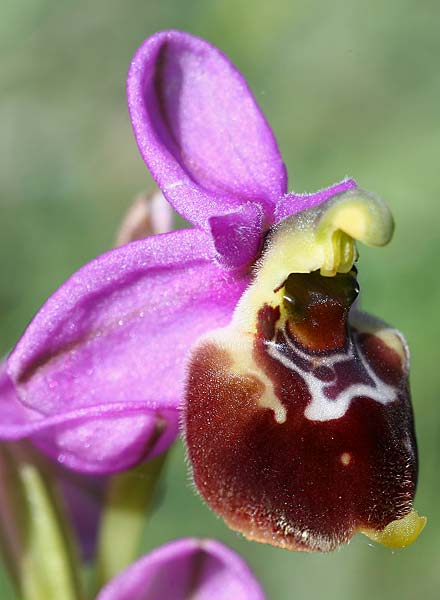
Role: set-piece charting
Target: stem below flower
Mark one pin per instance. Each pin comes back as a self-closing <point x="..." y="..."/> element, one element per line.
<point x="35" y="536"/>
<point x="128" y="504"/>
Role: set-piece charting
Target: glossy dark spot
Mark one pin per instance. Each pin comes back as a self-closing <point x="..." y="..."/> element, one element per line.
<point x="318" y="307"/>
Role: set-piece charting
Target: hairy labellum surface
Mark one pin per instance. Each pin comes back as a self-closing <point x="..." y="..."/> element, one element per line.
<point x="300" y="430"/>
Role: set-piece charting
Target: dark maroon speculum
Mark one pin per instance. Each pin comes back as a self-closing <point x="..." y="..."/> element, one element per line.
<point x="300" y="433"/>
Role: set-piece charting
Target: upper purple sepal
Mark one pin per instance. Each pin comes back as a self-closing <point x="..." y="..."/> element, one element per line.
<point x="209" y="146"/>
<point x="200" y="131"/>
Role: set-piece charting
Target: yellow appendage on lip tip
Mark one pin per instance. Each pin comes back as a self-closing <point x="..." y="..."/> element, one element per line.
<point x="399" y="533"/>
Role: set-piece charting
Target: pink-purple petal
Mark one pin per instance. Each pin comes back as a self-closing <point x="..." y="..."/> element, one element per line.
<point x="101" y="367"/>
<point x="186" y="569"/>
<point x="200" y="130"/>
<point x="238" y="236"/>
<point x="291" y="204"/>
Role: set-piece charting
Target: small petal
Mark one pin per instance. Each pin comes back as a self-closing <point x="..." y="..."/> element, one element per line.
<point x="184" y="569"/>
<point x="103" y="361"/>
<point x="200" y="130"/>
<point x="237" y="236"/>
<point x="291" y="204"/>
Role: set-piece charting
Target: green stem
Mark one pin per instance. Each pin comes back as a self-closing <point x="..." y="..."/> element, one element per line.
<point x="128" y="504"/>
<point x="35" y="539"/>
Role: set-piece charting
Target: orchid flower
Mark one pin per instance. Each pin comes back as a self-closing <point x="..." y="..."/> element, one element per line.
<point x="296" y="409"/>
<point x="186" y="568"/>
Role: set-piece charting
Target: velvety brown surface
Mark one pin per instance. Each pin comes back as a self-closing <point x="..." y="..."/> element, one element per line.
<point x="304" y="484"/>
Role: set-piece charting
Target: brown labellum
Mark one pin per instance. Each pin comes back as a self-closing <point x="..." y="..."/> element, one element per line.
<point x="300" y="433"/>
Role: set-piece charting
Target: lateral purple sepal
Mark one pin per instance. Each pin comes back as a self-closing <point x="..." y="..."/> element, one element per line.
<point x="183" y="569"/>
<point x="199" y="129"/>
<point x="103" y="362"/>
<point x="292" y="203"/>
<point x="14" y="417"/>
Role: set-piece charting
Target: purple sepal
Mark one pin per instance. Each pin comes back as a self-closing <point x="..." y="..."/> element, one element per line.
<point x="199" y="129"/>
<point x="291" y="204"/>
<point x="183" y="569"/>
<point x="13" y="415"/>
<point x="100" y="369"/>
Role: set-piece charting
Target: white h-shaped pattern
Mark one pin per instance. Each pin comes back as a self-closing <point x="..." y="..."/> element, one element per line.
<point x="322" y="408"/>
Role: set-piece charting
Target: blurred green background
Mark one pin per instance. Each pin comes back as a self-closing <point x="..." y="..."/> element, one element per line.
<point x="350" y="88"/>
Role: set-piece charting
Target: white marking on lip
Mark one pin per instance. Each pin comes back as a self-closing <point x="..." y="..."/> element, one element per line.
<point x="321" y="408"/>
